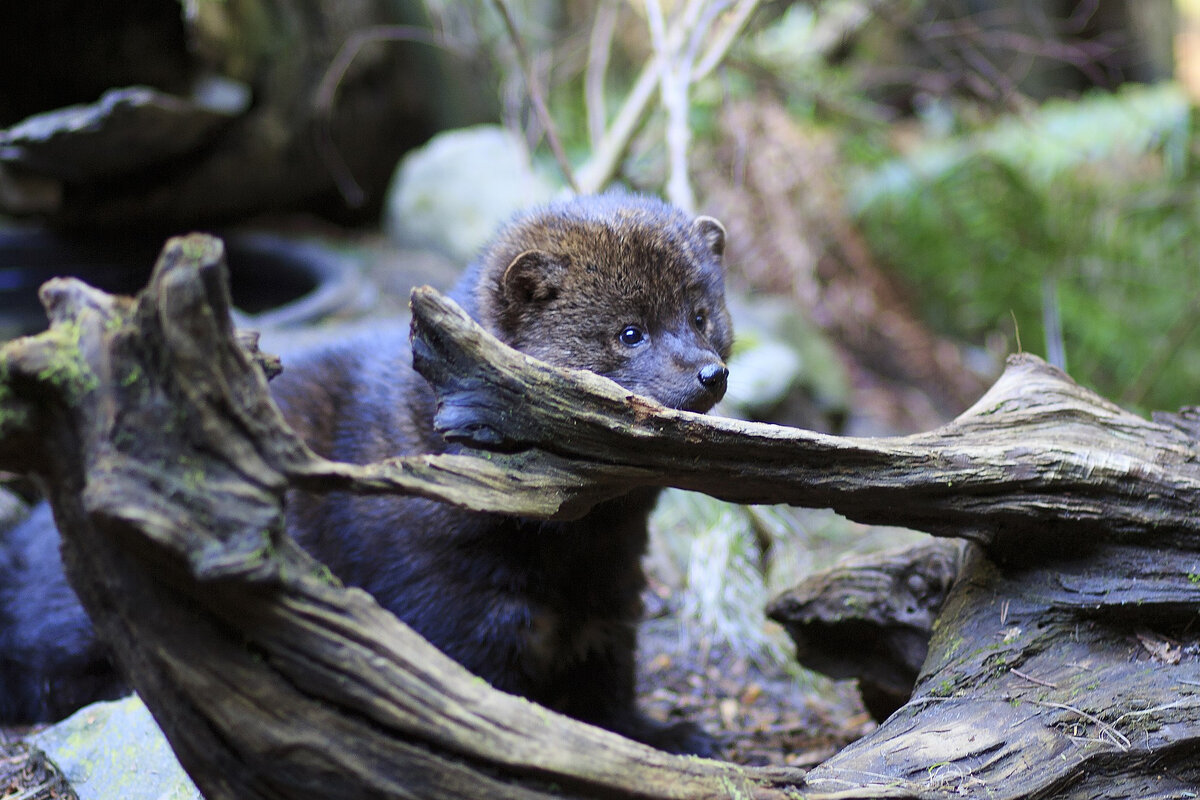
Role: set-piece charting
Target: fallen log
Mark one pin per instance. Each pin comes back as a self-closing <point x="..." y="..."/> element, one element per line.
<point x="171" y="114"/>
<point x="870" y="618"/>
<point x="1037" y="449"/>
<point x="1064" y="663"/>
<point x="1066" y="659"/>
<point x="165" y="461"/>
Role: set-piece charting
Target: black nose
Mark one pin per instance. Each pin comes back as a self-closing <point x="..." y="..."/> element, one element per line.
<point x="713" y="377"/>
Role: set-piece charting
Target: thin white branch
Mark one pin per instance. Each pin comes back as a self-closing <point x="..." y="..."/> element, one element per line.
<point x="724" y="38"/>
<point x="674" y="89"/>
<point x="599" y="169"/>
<point x="692" y="26"/>
<point x="599" y="50"/>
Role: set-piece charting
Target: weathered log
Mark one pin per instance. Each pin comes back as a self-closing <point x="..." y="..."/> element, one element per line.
<point x="1038" y="463"/>
<point x="870" y="618"/>
<point x="218" y="110"/>
<point x="166" y="464"/>
<point x="1065" y="662"/>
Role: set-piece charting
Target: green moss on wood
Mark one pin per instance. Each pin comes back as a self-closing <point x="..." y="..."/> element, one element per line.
<point x="65" y="368"/>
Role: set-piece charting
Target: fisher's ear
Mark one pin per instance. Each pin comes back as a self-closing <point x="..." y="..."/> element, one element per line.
<point x="534" y="276"/>
<point x="712" y="232"/>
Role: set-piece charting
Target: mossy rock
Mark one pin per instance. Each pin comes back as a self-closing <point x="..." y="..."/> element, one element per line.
<point x="110" y="750"/>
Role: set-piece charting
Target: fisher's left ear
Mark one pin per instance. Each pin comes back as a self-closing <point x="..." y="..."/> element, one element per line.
<point x="533" y="277"/>
<point x="712" y="232"/>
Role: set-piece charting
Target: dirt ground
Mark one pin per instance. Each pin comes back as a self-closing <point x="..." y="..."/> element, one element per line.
<point x="761" y="715"/>
<point x="26" y="774"/>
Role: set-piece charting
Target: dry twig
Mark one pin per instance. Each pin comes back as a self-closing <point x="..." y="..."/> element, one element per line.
<point x="535" y="95"/>
<point x="691" y="26"/>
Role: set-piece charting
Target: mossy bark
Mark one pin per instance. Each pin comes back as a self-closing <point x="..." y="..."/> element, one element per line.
<point x="1062" y="665"/>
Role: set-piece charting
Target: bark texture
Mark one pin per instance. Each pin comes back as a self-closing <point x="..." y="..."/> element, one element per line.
<point x="871" y="617"/>
<point x="1064" y="664"/>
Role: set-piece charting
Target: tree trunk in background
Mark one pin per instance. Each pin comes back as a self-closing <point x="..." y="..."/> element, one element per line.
<point x="165" y="114"/>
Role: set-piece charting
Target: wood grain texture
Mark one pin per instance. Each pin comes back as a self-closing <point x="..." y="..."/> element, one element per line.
<point x="1064" y="663"/>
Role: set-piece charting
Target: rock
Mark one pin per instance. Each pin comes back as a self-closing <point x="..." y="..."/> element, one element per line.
<point x="111" y="750"/>
<point x="783" y="369"/>
<point x="451" y="194"/>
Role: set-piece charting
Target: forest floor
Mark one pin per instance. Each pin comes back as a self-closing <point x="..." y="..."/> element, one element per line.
<point x="761" y="715"/>
<point x="26" y="773"/>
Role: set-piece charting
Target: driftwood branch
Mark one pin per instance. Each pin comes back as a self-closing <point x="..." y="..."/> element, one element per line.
<point x="1064" y="664"/>
<point x="1037" y="450"/>
<point x="166" y="464"/>
<point x="870" y="618"/>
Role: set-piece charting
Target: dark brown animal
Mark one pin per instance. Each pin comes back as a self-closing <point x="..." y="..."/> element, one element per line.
<point x="625" y="286"/>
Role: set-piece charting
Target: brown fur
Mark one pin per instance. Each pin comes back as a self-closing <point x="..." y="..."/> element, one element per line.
<point x="546" y="610"/>
<point x="625" y="286"/>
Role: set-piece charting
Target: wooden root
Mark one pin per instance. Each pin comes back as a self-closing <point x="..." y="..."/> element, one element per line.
<point x="1064" y="664"/>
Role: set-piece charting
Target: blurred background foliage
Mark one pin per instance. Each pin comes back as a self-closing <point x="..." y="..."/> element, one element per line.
<point x="1019" y="170"/>
<point x="1073" y="228"/>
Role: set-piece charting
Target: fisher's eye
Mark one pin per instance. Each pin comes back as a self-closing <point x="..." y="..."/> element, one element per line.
<point x="700" y="320"/>
<point x="632" y="335"/>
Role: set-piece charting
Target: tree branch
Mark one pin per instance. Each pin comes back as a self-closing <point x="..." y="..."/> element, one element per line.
<point x="600" y="168"/>
<point x="166" y="462"/>
<point x="1036" y="450"/>
<point x="599" y="50"/>
<point x="536" y="97"/>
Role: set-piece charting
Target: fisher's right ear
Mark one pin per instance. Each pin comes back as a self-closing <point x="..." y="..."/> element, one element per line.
<point x="533" y="277"/>
<point x="711" y="232"/>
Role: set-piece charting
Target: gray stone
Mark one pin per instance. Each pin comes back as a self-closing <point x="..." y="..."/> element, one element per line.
<point x="116" y="750"/>
<point x="451" y="194"/>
